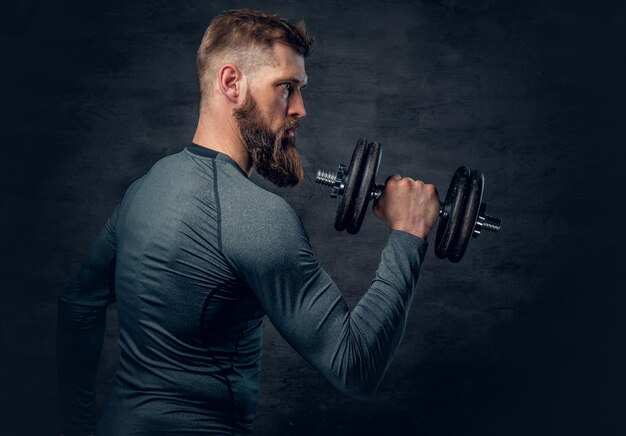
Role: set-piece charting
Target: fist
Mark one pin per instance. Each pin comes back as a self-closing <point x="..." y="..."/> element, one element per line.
<point x="408" y="205"/>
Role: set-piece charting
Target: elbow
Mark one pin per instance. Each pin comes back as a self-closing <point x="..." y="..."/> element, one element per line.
<point x="359" y="391"/>
<point x="356" y="371"/>
<point x="358" y="383"/>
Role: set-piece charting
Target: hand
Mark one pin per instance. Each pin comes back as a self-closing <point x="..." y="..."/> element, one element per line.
<point x="408" y="205"/>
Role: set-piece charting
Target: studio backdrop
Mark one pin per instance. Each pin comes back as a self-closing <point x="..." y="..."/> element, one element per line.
<point x="522" y="337"/>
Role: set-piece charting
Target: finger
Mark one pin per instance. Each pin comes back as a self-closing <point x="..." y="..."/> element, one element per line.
<point x="393" y="177"/>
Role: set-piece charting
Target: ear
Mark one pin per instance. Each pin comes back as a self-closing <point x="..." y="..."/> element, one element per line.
<point x="230" y="82"/>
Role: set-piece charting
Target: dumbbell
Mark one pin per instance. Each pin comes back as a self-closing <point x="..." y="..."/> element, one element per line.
<point x="462" y="214"/>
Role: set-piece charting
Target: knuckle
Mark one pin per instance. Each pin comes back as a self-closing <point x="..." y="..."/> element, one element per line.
<point x="396" y="183"/>
<point x="393" y="178"/>
<point x="391" y="184"/>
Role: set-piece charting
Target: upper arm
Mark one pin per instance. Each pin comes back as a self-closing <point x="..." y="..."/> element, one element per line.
<point x="271" y="253"/>
<point x="269" y="250"/>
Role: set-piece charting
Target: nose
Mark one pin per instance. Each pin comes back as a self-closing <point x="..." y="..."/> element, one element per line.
<point x="296" y="105"/>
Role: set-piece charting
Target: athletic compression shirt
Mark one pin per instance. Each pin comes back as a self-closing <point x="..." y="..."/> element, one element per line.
<point x="195" y="255"/>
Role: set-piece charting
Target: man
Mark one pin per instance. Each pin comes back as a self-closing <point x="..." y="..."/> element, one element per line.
<point x="195" y="255"/>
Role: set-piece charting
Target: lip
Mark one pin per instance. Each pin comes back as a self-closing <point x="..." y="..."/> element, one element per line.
<point x="291" y="133"/>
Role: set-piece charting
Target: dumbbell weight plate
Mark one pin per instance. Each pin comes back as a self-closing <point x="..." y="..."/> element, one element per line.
<point x="351" y="185"/>
<point x="474" y="199"/>
<point x="456" y="199"/>
<point x="364" y="194"/>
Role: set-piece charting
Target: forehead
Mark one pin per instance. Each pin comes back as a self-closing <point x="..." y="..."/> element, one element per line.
<point x="288" y="64"/>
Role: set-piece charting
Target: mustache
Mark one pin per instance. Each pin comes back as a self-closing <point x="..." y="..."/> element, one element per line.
<point x="291" y="124"/>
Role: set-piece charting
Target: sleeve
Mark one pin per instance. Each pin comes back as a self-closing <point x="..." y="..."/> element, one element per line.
<point x="351" y="348"/>
<point x="80" y="332"/>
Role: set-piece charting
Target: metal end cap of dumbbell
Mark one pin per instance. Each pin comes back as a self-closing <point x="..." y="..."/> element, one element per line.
<point x="336" y="182"/>
<point x="486" y="222"/>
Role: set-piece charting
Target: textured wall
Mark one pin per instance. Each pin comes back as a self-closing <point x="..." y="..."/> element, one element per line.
<point x="523" y="337"/>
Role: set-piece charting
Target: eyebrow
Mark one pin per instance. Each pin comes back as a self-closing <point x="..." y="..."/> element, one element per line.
<point x="294" y="80"/>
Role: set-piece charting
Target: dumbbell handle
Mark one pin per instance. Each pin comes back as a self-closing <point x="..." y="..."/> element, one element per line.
<point x="377" y="191"/>
<point x="483" y="221"/>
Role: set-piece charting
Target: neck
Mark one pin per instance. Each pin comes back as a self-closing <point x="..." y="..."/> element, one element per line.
<point x="222" y="134"/>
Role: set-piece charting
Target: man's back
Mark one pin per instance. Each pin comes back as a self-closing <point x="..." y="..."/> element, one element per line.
<point x="189" y="328"/>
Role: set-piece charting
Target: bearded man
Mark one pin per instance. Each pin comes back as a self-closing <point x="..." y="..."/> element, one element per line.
<point x="196" y="255"/>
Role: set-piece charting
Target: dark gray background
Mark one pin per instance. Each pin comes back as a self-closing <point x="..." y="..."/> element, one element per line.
<point x="524" y="337"/>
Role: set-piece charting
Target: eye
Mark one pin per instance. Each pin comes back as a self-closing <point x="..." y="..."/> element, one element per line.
<point x="287" y="86"/>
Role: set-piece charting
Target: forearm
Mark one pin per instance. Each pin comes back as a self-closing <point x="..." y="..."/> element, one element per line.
<point x="80" y="333"/>
<point x="372" y="331"/>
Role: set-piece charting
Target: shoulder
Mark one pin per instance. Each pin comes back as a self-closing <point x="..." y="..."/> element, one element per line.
<point x="169" y="163"/>
<point x="254" y="209"/>
<point x="244" y="204"/>
<point x="163" y="171"/>
<point x="258" y="223"/>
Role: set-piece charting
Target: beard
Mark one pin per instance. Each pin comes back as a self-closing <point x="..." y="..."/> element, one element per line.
<point x="274" y="154"/>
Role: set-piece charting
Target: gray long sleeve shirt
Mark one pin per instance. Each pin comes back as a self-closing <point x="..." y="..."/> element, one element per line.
<point x="196" y="255"/>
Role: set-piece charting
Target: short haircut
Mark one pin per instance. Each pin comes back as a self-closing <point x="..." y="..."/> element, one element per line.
<point x="245" y="37"/>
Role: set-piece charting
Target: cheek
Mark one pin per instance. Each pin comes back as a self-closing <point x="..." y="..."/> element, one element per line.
<point x="280" y="107"/>
<point x="278" y="114"/>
